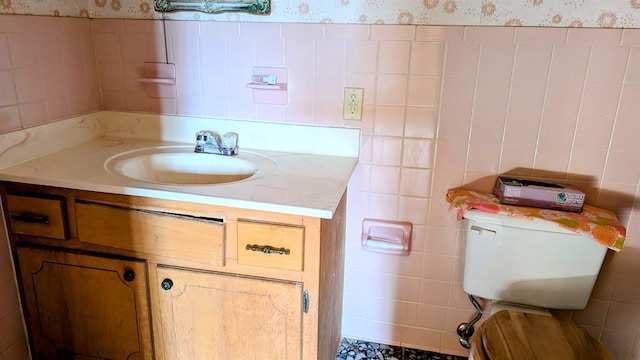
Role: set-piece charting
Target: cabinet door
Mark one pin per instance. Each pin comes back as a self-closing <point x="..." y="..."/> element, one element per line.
<point x="217" y="316"/>
<point x="81" y="306"/>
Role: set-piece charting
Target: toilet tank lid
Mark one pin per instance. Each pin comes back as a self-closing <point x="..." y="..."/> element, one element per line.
<point x="595" y="223"/>
<point x="514" y="221"/>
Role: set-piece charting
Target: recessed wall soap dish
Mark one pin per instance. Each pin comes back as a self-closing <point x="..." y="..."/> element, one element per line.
<point x="159" y="80"/>
<point x="267" y="91"/>
<point x="384" y="236"/>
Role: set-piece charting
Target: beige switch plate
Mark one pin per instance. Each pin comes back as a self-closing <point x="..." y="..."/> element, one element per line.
<point x="352" y="105"/>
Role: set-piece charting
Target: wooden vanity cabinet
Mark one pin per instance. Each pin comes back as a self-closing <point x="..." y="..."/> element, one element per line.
<point x="142" y="278"/>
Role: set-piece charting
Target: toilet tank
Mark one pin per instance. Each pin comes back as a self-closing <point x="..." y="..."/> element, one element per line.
<point x="529" y="262"/>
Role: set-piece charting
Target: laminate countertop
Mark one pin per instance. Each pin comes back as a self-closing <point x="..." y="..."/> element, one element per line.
<point x="291" y="183"/>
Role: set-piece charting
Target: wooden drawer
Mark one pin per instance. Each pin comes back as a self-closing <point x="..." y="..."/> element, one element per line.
<point x="170" y="235"/>
<point x="37" y="216"/>
<point x="271" y="245"/>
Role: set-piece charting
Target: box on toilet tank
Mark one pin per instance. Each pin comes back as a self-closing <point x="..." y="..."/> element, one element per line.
<point x="539" y="194"/>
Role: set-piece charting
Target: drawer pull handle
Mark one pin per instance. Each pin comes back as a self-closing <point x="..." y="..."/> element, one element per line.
<point x="268" y="249"/>
<point x="34" y="219"/>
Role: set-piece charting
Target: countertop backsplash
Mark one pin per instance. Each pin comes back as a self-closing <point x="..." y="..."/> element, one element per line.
<point x="306" y="139"/>
<point x="31" y="143"/>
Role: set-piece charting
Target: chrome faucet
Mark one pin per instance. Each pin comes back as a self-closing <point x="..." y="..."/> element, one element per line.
<point x="212" y="143"/>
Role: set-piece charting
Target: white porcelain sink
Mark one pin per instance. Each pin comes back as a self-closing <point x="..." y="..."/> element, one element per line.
<point x="179" y="165"/>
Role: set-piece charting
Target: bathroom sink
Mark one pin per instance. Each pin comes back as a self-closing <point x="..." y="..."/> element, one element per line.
<point x="180" y="165"/>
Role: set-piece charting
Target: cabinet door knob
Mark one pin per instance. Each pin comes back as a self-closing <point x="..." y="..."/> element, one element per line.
<point x="129" y="275"/>
<point x="166" y="284"/>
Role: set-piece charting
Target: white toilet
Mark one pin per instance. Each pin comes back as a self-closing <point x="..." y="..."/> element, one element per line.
<point x="522" y="268"/>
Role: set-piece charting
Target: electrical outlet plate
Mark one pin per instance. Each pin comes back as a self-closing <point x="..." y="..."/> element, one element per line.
<point x="353" y="98"/>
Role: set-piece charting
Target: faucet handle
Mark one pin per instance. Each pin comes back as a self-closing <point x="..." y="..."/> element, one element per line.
<point x="230" y="143"/>
<point x="202" y="137"/>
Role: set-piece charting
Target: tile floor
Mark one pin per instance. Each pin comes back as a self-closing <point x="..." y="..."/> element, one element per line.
<point x="351" y="349"/>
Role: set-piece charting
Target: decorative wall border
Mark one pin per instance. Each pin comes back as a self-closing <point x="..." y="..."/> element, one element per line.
<point x="547" y="13"/>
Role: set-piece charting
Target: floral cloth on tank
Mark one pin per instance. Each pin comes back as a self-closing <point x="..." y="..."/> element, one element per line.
<point x="597" y="223"/>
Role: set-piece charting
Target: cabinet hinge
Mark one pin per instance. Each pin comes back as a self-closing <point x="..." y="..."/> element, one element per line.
<point x="305" y="301"/>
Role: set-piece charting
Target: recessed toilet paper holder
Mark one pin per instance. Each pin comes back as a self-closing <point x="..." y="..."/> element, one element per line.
<point x="385" y="236"/>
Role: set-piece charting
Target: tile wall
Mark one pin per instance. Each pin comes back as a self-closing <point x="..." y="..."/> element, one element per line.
<point x="47" y="70"/>
<point x="444" y="107"/>
<point x="13" y="345"/>
<point x="47" y="73"/>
